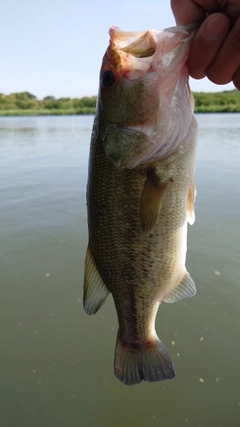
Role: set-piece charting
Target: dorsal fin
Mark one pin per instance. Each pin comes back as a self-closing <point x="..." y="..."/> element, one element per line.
<point x="95" y="290"/>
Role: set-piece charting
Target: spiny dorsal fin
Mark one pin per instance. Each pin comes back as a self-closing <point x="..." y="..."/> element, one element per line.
<point x="151" y="203"/>
<point x="95" y="290"/>
<point x="190" y="205"/>
<point x="185" y="289"/>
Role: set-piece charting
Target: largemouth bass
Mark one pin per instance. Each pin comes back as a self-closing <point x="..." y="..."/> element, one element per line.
<point x="141" y="192"/>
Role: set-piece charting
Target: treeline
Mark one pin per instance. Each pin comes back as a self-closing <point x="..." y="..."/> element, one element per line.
<point x="224" y="102"/>
<point x="25" y="103"/>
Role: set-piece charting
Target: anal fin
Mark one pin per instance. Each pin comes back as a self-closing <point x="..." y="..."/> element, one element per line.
<point x="185" y="289"/>
<point x="95" y="290"/>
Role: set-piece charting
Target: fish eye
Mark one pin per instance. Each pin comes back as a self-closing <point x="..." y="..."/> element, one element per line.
<point x="108" y="78"/>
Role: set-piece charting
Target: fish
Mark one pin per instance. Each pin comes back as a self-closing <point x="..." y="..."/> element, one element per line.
<point x="141" y="192"/>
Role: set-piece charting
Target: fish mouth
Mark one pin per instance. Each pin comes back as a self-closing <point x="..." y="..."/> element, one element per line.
<point x="144" y="51"/>
<point x="144" y="47"/>
<point x="140" y="44"/>
<point x="143" y="44"/>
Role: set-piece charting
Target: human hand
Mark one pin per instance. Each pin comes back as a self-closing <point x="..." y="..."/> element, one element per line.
<point x="215" y="51"/>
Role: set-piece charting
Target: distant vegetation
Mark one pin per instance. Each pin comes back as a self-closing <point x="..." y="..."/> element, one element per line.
<point x="224" y="102"/>
<point x="26" y="104"/>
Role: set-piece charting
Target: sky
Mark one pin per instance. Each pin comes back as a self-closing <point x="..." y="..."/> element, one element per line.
<point x="55" y="47"/>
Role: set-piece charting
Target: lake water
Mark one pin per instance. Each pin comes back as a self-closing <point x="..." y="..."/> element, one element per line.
<point x="56" y="363"/>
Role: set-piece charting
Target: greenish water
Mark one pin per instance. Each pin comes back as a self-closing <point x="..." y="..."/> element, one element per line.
<point x="56" y="363"/>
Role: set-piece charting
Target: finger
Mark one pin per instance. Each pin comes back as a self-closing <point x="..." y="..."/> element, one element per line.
<point x="227" y="61"/>
<point x="206" y="44"/>
<point x="187" y="11"/>
<point x="236" y="79"/>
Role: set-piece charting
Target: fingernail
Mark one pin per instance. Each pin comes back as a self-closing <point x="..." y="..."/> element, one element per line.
<point x="216" y="28"/>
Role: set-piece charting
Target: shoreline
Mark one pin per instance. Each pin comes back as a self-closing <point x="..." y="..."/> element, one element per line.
<point x="26" y="104"/>
<point x="15" y="113"/>
<point x="37" y="113"/>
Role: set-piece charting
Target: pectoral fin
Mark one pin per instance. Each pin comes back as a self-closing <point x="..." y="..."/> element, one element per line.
<point x="190" y="206"/>
<point x="151" y="203"/>
<point x="185" y="289"/>
<point x="95" y="290"/>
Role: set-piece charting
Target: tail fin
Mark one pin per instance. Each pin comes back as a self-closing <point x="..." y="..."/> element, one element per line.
<point x="135" y="362"/>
